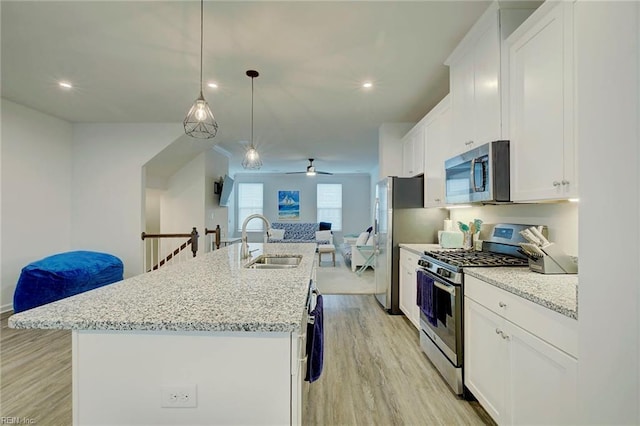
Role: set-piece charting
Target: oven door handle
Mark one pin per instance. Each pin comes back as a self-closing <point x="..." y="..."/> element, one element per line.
<point x="449" y="289"/>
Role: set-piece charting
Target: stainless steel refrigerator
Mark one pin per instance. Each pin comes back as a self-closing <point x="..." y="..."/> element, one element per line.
<point x="400" y="218"/>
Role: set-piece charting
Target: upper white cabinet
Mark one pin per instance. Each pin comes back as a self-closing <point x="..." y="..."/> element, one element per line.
<point x="390" y="158"/>
<point x="541" y="111"/>
<point x="437" y="137"/>
<point x="475" y="79"/>
<point x="413" y="152"/>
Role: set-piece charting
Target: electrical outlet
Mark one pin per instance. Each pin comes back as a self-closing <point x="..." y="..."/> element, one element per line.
<point x="179" y="396"/>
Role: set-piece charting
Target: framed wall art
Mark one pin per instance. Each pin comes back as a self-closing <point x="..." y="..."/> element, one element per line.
<point x="288" y="205"/>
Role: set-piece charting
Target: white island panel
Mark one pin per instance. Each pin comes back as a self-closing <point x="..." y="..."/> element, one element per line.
<point x="240" y="378"/>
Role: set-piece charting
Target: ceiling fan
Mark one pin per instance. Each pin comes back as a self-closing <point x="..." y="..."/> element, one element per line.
<point x="311" y="170"/>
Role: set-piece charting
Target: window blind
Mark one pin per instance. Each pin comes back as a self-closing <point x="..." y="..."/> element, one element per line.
<point x="250" y="201"/>
<point x="329" y="204"/>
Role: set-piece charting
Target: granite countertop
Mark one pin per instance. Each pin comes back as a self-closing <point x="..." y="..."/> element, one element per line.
<point x="212" y="292"/>
<point x="556" y="292"/>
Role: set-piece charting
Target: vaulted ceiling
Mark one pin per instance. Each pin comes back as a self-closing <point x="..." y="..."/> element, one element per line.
<point x="138" y="61"/>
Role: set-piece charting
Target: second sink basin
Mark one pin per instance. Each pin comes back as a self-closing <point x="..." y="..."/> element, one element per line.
<point x="271" y="261"/>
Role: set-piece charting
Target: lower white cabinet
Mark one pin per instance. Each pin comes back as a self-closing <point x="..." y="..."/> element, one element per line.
<point x="408" y="286"/>
<point x="517" y="377"/>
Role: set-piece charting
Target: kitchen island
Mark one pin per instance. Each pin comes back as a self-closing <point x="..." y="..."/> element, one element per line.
<point x="207" y="341"/>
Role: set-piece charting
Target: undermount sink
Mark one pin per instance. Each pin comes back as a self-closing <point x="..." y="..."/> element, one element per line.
<point x="267" y="261"/>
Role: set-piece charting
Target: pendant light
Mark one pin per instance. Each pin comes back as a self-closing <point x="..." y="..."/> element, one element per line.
<point x="199" y="122"/>
<point x="251" y="157"/>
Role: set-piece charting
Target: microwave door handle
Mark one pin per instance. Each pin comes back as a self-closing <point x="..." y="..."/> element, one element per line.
<point x="473" y="175"/>
<point x="449" y="289"/>
<point x="485" y="175"/>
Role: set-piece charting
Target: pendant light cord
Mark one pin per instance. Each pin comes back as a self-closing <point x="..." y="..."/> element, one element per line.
<point x="252" y="113"/>
<point x="201" y="31"/>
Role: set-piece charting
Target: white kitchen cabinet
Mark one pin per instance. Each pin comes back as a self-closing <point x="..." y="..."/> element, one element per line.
<point x="519" y="357"/>
<point x="475" y="79"/>
<point x="413" y="152"/>
<point x="389" y="148"/>
<point x="437" y="138"/>
<point x="485" y="358"/>
<point x="408" y="286"/>
<point x="541" y="111"/>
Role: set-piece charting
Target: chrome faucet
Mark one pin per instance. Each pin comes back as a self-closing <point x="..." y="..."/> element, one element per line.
<point x="244" y="249"/>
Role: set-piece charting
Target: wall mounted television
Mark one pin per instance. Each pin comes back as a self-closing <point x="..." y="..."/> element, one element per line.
<point x="227" y="187"/>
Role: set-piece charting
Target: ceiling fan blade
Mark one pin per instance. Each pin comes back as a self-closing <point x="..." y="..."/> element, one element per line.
<point x="323" y="173"/>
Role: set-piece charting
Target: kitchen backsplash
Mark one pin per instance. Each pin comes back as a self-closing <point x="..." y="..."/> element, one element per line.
<point x="561" y="219"/>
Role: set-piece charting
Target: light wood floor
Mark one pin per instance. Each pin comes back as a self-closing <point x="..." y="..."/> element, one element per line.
<point x="35" y="375"/>
<point x="374" y="374"/>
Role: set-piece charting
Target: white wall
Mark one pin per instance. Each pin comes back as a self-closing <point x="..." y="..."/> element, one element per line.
<point x="107" y="209"/>
<point x="152" y="210"/>
<point x="560" y="218"/>
<point x="608" y="115"/>
<point x="36" y="191"/>
<point x="216" y="166"/>
<point x="356" y="198"/>
<point x="182" y="203"/>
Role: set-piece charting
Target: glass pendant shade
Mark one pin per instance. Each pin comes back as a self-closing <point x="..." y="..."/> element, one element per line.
<point x="199" y="122"/>
<point x="252" y="159"/>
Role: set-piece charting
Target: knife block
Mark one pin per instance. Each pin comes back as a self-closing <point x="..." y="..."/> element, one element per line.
<point x="554" y="261"/>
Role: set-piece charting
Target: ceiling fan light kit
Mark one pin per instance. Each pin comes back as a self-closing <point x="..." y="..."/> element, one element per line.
<point x="252" y="159"/>
<point x="311" y="170"/>
<point x="200" y="122"/>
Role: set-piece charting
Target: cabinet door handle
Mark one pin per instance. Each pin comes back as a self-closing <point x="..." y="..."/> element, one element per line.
<point x="556" y="183"/>
<point x="437" y="199"/>
<point x="502" y="304"/>
<point x="501" y="333"/>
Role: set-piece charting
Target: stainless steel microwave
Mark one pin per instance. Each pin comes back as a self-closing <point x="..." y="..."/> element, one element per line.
<point x="480" y="175"/>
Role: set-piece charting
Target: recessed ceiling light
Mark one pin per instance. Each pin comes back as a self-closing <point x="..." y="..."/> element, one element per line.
<point x="213" y="85"/>
<point x="65" y="84"/>
<point x="367" y="84"/>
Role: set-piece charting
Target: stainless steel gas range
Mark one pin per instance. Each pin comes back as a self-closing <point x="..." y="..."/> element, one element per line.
<point x="440" y="296"/>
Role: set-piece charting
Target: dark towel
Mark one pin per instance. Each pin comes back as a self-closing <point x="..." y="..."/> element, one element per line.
<point x="425" y="297"/>
<point x="315" y="343"/>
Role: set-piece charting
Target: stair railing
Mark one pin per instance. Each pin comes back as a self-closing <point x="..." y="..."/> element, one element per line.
<point x="216" y="239"/>
<point x="153" y="250"/>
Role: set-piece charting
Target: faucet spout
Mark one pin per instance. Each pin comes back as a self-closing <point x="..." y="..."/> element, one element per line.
<point x="244" y="249"/>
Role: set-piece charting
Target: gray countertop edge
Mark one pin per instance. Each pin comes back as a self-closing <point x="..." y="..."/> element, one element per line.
<point x="419" y="249"/>
<point x="558" y="293"/>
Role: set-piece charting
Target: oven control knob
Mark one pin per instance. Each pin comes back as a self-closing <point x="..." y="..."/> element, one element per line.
<point x="444" y="272"/>
<point x="424" y="263"/>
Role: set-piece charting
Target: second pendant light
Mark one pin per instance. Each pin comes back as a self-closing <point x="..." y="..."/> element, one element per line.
<point x="251" y="157"/>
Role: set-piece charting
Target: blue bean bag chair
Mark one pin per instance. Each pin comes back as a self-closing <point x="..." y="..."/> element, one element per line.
<point x="63" y="275"/>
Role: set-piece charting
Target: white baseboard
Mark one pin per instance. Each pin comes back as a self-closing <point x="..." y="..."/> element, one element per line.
<point x="6" y="308"/>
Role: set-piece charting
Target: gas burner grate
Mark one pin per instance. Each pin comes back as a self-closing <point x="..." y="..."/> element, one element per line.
<point x="467" y="258"/>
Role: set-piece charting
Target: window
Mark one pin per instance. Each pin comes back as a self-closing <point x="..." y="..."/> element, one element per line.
<point x="329" y="204"/>
<point x="250" y="202"/>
